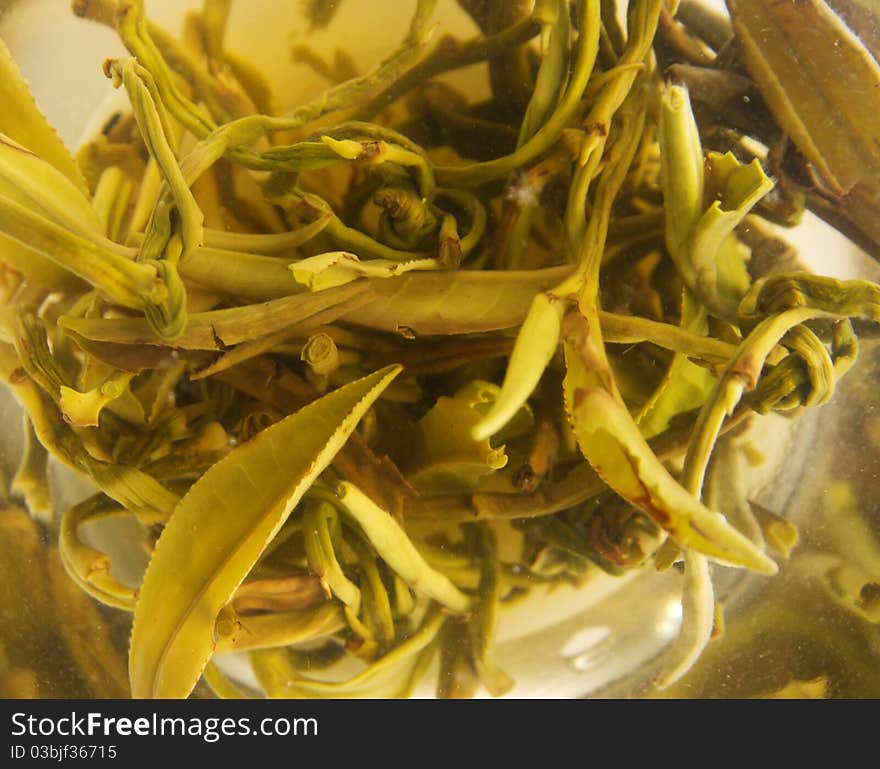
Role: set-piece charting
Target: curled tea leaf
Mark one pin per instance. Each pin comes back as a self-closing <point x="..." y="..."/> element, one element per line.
<point x="535" y="345"/>
<point x="620" y="455"/>
<point x="392" y="544"/>
<point x="446" y="457"/>
<point x="338" y="268"/>
<point x="700" y="240"/>
<point x="31" y="479"/>
<point x="83" y="409"/>
<point x="698" y="615"/>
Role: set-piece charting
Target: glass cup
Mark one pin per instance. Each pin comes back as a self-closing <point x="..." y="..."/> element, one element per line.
<point x="810" y="630"/>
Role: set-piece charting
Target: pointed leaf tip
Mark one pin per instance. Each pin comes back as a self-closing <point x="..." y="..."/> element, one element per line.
<point x="221" y="527"/>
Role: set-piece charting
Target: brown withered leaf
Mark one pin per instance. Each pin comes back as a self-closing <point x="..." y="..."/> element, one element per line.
<point x="821" y="84"/>
<point x="54" y="640"/>
<point x="861" y="16"/>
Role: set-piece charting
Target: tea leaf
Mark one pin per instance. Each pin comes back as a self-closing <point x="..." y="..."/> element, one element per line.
<point x="389" y="676"/>
<point x="685" y="385"/>
<point x="86" y="566"/>
<point x="446" y="458"/>
<point x="808" y="65"/>
<point x="551" y="75"/>
<point x="219" y="329"/>
<point x="83" y="408"/>
<point x="619" y="453"/>
<point x="132" y="285"/>
<point x="34" y="183"/>
<point x="22" y="121"/>
<point x="338" y="268"/>
<point x="482" y="624"/>
<point x="535" y="345"/>
<point x="189" y="580"/>
<point x="453" y="303"/>
<point x="585" y="56"/>
<point x="701" y="242"/>
<point x="394" y="547"/>
<point x="134" y="489"/>
<point x="31" y="479"/>
<point x="270" y="630"/>
<point x="698" y="615"/>
<point x="322" y="558"/>
<point x="235" y="264"/>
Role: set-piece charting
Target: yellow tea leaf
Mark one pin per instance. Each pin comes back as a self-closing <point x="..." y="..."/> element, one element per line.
<point x="220" y="528"/>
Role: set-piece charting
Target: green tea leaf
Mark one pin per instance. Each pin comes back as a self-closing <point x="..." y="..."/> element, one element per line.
<point x="396" y="549"/>
<point x="220" y="528"/>
<point x="612" y="443"/>
<point x="218" y="329"/>
<point x="681" y="157"/>
<point x="134" y="489"/>
<point x="83" y="409"/>
<point x="271" y="629"/>
<point x="382" y="679"/>
<point x="339" y="267"/>
<point x="322" y="556"/>
<point x="551" y="75"/>
<point x="685" y="386"/>
<point x="87" y="567"/>
<point x="31" y="479"/>
<point x="535" y="346"/>
<point x="447" y="458"/>
<point x="33" y="182"/>
<point x="710" y="258"/>
<point x="22" y="121"/>
<point x="698" y="614"/>
<point x="466" y="301"/>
